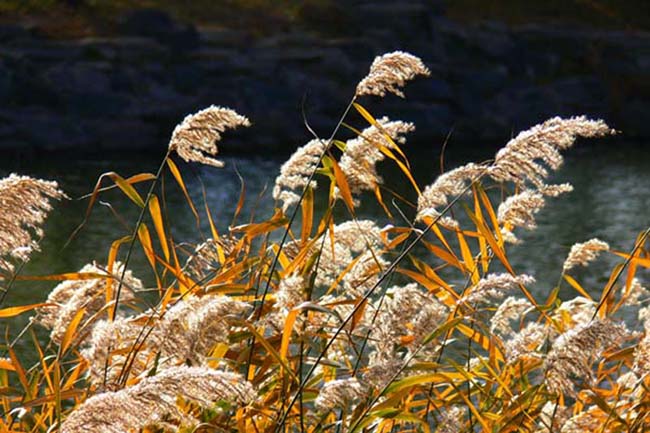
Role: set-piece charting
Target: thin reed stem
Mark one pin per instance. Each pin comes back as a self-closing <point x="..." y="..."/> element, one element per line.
<point x="134" y="235"/>
<point x="391" y="268"/>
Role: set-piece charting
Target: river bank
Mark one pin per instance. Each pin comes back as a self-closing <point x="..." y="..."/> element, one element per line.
<point x="128" y="90"/>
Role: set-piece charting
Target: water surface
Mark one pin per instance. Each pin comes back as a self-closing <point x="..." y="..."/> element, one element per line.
<point x="611" y="201"/>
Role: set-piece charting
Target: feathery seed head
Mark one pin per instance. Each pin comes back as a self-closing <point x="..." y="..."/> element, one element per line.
<point x="635" y="292"/>
<point x="390" y="72"/>
<point x="339" y="393"/>
<point x="510" y="309"/>
<point x="449" y="184"/>
<point x="295" y="172"/>
<point x="185" y="333"/>
<point x="196" y="136"/>
<point x="494" y="286"/>
<point x="68" y="297"/>
<point x="362" y="153"/>
<point x="572" y="353"/>
<point x="522" y="158"/>
<point x="519" y="211"/>
<point x="24" y="205"/>
<point x="526" y="342"/>
<point x="154" y="400"/>
<point x="583" y="253"/>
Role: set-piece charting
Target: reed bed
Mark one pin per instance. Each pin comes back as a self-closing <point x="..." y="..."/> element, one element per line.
<point x="309" y="322"/>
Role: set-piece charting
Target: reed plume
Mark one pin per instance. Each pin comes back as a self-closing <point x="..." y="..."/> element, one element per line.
<point x="526" y="342"/>
<point x="449" y="184"/>
<point x="573" y="352"/>
<point x="552" y="417"/>
<point x="389" y="72"/>
<point x="576" y="311"/>
<point x="295" y="173"/>
<point x="205" y="257"/>
<point x="494" y="286"/>
<point x="339" y="394"/>
<point x="406" y="317"/>
<point x="196" y="136"/>
<point x="635" y="292"/>
<point x="511" y="308"/>
<point x="153" y="401"/>
<point x="451" y="420"/>
<point x="185" y="334"/>
<point x="523" y="158"/>
<point x="364" y="274"/>
<point x="583" y="253"/>
<point x="24" y="205"/>
<point x="362" y="153"/>
<point x="358" y="235"/>
<point x="68" y="297"/>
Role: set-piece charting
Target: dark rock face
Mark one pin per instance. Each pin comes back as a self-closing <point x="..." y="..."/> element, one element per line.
<point x="489" y="80"/>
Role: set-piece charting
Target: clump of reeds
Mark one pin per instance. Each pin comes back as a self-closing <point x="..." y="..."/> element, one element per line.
<point x="315" y="320"/>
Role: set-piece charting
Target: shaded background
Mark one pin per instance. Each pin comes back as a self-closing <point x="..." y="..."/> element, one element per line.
<point x="101" y="75"/>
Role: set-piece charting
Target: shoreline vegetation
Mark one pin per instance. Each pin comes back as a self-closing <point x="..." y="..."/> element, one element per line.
<point x="309" y="321"/>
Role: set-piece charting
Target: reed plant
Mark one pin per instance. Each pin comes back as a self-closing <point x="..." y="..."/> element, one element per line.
<point x="314" y="319"/>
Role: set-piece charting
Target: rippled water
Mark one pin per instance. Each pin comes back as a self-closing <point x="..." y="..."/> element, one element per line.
<point x="611" y="201"/>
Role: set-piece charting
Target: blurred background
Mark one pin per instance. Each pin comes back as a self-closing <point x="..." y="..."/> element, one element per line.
<point x="89" y="86"/>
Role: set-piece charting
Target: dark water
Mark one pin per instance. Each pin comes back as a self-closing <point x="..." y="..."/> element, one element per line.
<point x="611" y="201"/>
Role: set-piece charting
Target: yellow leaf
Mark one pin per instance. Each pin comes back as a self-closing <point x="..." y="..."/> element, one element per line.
<point x="156" y="216"/>
<point x="179" y="179"/>
<point x="255" y="229"/>
<point x="71" y="330"/>
<point x="483" y="340"/>
<point x="343" y="186"/>
<point x="307" y="207"/>
<point x="5" y="364"/>
<point x="112" y="257"/>
<point x="569" y="279"/>
<point x="15" y="311"/>
<point x="286" y="333"/>
<point x="470" y="265"/>
<point x="127" y="188"/>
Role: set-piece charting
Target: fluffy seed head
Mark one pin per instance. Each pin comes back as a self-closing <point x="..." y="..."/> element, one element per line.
<point x="68" y="297"/>
<point x="519" y="211"/>
<point x="24" y="205"/>
<point x="186" y="333"/>
<point x="339" y="394"/>
<point x="390" y="72"/>
<point x="526" y="155"/>
<point x="153" y="401"/>
<point x="572" y="353"/>
<point x="449" y="184"/>
<point x="362" y="153"/>
<point x="198" y="133"/>
<point x="295" y="172"/>
<point x="510" y="309"/>
<point x="583" y="253"/>
<point x="494" y="286"/>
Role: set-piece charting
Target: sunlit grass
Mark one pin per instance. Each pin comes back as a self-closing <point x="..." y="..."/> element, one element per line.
<point x="312" y="319"/>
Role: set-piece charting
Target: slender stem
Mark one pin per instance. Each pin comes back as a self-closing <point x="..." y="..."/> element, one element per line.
<point x="369" y="293"/>
<point x="135" y="234"/>
<point x="258" y="312"/>
<point x="638" y="245"/>
<point x="276" y="258"/>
